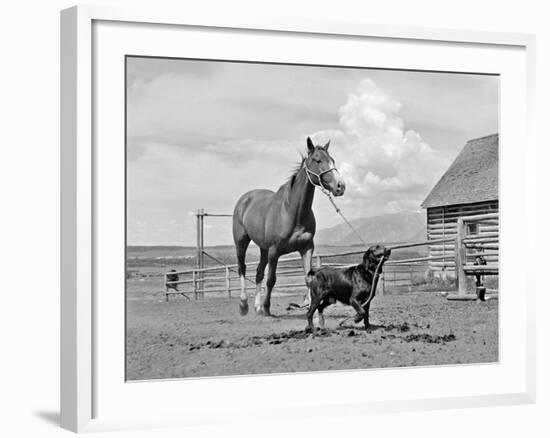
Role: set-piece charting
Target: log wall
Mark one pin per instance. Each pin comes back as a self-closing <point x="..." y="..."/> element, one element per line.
<point x="442" y="224"/>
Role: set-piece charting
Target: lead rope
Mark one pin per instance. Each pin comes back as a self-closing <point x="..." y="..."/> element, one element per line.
<point x="331" y="199"/>
<point x="352" y="228"/>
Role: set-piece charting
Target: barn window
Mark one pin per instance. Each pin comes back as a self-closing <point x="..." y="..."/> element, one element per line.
<point x="472" y="229"/>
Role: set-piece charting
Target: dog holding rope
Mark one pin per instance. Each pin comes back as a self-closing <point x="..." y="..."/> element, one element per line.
<point x="355" y="286"/>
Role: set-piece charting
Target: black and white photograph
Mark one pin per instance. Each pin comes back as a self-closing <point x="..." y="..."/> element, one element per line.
<point x="291" y="218"/>
<point x="250" y="219"/>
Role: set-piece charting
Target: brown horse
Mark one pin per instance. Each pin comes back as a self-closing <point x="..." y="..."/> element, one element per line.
<point x="282" y="222"/>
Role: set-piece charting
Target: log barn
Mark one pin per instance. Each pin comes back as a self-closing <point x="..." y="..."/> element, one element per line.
<point x="468" y="187"/>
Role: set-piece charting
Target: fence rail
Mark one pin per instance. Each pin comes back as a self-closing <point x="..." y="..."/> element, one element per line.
<point x="464" y="242"/>
<point x="224" y="277"/>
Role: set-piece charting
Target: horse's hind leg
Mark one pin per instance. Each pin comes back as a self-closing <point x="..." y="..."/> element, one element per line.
<point x="260" y="270"/>
<point x="241" y="243"/>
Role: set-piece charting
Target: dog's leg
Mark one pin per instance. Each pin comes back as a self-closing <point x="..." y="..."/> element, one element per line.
<point x="321" y="319"/>
<point x="312" y="308"/>
<point x="360" y="311"/>
<point x="320" y="309"/>
<point x="366" y="317"/>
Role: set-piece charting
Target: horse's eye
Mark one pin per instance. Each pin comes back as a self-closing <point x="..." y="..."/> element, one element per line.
<point x="318" y="161"/>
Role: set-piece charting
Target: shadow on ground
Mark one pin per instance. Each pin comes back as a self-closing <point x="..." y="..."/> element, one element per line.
<point x="51" y="417"/>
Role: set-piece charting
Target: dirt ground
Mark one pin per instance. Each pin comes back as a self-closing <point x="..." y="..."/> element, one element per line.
<point x="208" y="337"/>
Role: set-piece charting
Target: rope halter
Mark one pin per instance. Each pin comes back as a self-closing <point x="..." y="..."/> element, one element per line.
<point x="319" y="175"/>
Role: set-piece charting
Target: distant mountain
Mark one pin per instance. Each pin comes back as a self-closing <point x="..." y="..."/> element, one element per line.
<point x="395" y="227"/>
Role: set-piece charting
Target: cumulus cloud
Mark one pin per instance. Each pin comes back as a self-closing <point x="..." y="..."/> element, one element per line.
<point x="387" y="168"/>
<point x="200" y="134"/>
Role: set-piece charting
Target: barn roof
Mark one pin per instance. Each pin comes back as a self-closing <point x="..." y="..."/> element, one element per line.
<point x="473" y="176"/>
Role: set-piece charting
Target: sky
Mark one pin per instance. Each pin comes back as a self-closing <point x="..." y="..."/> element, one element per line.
<point x="201" y="133"/>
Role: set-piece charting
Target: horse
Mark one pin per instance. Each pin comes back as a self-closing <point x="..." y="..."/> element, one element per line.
<point x="282" y="222"/>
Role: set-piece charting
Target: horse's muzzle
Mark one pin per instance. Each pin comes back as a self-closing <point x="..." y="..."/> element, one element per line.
<point x="340" y="188"/>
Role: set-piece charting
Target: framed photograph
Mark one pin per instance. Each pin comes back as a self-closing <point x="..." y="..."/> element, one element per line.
<point x="251" y="206"/>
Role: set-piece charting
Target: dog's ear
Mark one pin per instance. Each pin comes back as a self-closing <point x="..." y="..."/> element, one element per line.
<point x="367" y="257"/>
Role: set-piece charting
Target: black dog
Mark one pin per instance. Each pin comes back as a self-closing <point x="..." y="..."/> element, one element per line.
<point x="350" y="286"/>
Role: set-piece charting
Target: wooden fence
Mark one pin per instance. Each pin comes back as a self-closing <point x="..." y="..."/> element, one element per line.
<point x="224" y="278"/>
<point x="486" y="245"/>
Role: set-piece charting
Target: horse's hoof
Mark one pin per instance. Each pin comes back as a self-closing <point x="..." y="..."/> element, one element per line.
<point x="309" y="329"/>
<point x="258" y="310"/>
<point x="243" y="307"/>
<point x="266" y="311"/>
<point x="358" y="318"/>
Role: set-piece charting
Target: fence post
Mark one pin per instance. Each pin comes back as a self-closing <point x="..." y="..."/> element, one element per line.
<point x="166" y="286"/>
<point x="460" y="258"/>
<point x="318" y="261"/>
<point x="227" y="282"/>
<point x="199" y="254"/>
<point x="195" y="284"/>
<point x="383" y="281"/>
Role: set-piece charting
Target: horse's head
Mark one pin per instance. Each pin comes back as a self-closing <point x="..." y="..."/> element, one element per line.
<point x="321" y="171"/>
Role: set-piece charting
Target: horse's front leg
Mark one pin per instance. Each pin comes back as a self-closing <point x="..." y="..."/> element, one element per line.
<point x="307" y="254"/>
<point x="272" y="259"/>
<point x="259" y="278"/>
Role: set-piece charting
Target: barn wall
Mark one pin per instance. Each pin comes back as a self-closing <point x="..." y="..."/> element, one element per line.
<point x="442" y="224"/>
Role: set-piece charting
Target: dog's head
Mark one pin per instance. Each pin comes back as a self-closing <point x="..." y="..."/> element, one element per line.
<point x="374" y="255"/>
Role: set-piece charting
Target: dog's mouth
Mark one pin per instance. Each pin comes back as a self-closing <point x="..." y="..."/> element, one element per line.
<point x="382" y="258"/>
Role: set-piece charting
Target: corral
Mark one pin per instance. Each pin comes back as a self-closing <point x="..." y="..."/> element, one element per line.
<point x="413" y="323"/>
<point x="400" y="270"/>
<point x="185" y="322"/>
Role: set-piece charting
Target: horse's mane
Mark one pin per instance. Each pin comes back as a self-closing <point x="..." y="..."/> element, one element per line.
<point x="296" y="169"/>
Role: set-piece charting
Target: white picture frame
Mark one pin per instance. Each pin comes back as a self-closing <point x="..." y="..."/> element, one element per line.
<point x="83" y="370"/>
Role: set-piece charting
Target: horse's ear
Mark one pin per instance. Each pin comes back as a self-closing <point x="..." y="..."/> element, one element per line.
<point x="310" y="146"/>
<point x="326" y="146"/>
